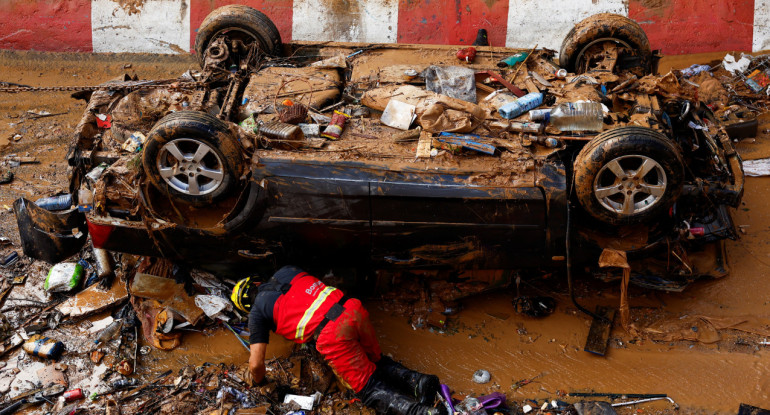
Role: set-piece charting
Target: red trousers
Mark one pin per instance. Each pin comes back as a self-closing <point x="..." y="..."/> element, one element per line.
<point x="350" y="345"/>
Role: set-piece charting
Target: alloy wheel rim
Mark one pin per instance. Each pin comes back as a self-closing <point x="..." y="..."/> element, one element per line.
<point x="629" y="185"/>
<point x="190" y="167"/>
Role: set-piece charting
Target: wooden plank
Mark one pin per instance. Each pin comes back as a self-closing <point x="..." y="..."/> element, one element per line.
<point x="423" y="146"/>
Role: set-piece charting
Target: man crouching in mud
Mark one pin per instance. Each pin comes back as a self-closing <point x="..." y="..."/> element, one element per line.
<point x="301" y="308"/>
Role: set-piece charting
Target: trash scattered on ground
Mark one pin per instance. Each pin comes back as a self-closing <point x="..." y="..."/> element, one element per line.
<point x="481" y="376"/>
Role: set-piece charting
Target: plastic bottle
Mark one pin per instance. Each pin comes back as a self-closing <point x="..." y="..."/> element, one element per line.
<point x="110" y="332"/>
<point x="694" y="70"/>
<point x="61" y="202"/>
<point x="539" y="115"/>
<point x="578" y="116"/>
<point x="85" y="200"/>
<point x="512" y="60"/>
<point x="521" y="105"/>
<point x="104" y="263"/>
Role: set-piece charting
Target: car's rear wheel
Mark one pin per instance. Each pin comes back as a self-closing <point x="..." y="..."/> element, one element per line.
<point x="236" y="25"/>
<point x="193" y="157"/>
<point x="590" y="43"/>
<point x="628" y="175"/>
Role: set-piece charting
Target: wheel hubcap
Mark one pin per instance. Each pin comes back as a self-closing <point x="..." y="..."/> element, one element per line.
<point x="629" y="185"/>
<point x="190" y="166"/>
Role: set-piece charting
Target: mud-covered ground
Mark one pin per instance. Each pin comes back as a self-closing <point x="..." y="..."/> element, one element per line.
<point x="486" y="333"/>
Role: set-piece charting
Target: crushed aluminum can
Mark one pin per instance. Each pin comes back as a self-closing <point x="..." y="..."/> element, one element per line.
<point x="73" y="395"/>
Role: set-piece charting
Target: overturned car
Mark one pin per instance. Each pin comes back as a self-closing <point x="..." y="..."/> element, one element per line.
<point x="213" y="170"/>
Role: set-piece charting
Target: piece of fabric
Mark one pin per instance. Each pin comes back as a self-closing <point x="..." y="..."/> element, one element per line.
<point x="350" y="345"/>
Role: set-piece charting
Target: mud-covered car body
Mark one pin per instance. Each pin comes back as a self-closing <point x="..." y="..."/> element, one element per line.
<point x="365" y="200"/>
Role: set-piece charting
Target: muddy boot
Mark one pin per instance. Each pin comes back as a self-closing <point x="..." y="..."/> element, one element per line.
<point x="385" y="399"/>
<point x="422" y="387"/>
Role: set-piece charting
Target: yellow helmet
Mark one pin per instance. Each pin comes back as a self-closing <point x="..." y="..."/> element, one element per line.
<point x="243" y="293"/>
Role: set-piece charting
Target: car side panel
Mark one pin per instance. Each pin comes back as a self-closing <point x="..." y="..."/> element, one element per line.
<point x="441" y="223"/>
<point x="317" y="213"/>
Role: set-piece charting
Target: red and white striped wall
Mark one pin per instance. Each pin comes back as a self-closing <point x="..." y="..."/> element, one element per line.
<point x="169" y="26"/>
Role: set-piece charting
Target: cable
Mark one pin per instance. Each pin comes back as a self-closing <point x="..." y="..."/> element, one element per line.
<point x="569" y="258"/>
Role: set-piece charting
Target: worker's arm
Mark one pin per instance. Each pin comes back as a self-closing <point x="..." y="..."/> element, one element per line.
<point x="257" y="362"/>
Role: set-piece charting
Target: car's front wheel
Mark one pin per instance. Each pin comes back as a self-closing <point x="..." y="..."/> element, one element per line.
<point x="628" y="175"/>
<point x="193" y="157"/>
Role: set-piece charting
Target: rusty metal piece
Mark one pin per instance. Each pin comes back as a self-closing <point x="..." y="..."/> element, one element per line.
<point x="129" y="86"/>
<point x="599" y="333"/>
<point x="497" y="77"/>
<point x="232" y="94"/>
<point x="216" y="53"/>
<point x="292" y="114"/>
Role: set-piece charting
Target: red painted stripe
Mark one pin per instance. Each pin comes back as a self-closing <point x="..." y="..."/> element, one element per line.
<point x="46" y="25"/>
<point x="279" y="11"/>
<point x="686" y="26"/>
<point x="452" y="22"/>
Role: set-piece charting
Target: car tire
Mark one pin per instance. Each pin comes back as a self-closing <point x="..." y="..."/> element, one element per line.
<point x="247" y="22"/>
<point x="628" y="175"/>
<point x="193" y="157"/>
<point x="604" y="27"/>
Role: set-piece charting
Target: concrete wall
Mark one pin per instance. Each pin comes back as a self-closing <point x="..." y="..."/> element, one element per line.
<point x="169" y="26"/>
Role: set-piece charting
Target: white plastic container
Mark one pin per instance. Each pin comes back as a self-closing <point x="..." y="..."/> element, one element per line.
<point x="578" y="116"/>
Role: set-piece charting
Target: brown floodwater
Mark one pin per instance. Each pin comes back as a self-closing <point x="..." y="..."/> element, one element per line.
<point x="486" y="333"/>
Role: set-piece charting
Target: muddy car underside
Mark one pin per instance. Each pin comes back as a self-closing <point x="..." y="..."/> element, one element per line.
<point x="203" y="168"/>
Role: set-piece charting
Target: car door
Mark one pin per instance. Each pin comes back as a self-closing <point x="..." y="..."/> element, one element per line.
<point x="438" y="218"/>
<point x="318" y="211"/>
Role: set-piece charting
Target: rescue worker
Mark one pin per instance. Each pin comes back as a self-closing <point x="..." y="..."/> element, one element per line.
<point x="301" y="308"/>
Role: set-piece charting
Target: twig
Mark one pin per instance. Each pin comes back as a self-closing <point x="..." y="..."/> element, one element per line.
<point x="371" y="137"/>
<point x="331" y="107"/>
<point x="291" y="93"/>
<point x="35" y="116"/>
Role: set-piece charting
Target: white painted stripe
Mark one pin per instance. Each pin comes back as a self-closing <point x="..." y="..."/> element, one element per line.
<point x="342" y="21"/>
<point x="546" y="23"/>
<point x="761" y="31"/>
<point x="158" y="26"/>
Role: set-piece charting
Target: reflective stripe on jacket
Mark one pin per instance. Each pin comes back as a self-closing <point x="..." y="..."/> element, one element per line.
<point x="301" y="309"/>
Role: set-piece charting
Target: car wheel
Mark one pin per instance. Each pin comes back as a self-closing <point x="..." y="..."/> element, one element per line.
<point x="628" y="175"/>
<point x="193" y="157"/>
<point x="590" y="36"/>
<point x="241" y="23"/>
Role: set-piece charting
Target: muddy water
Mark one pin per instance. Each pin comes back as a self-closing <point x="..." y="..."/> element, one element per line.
<point x="214" y="346"/>
<point x="486" y="333"/>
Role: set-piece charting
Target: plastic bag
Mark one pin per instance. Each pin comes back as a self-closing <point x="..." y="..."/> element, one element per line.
<point x="454" y="81"/>
<point x="64" y="276"/>
<point x="214" y="306"/>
